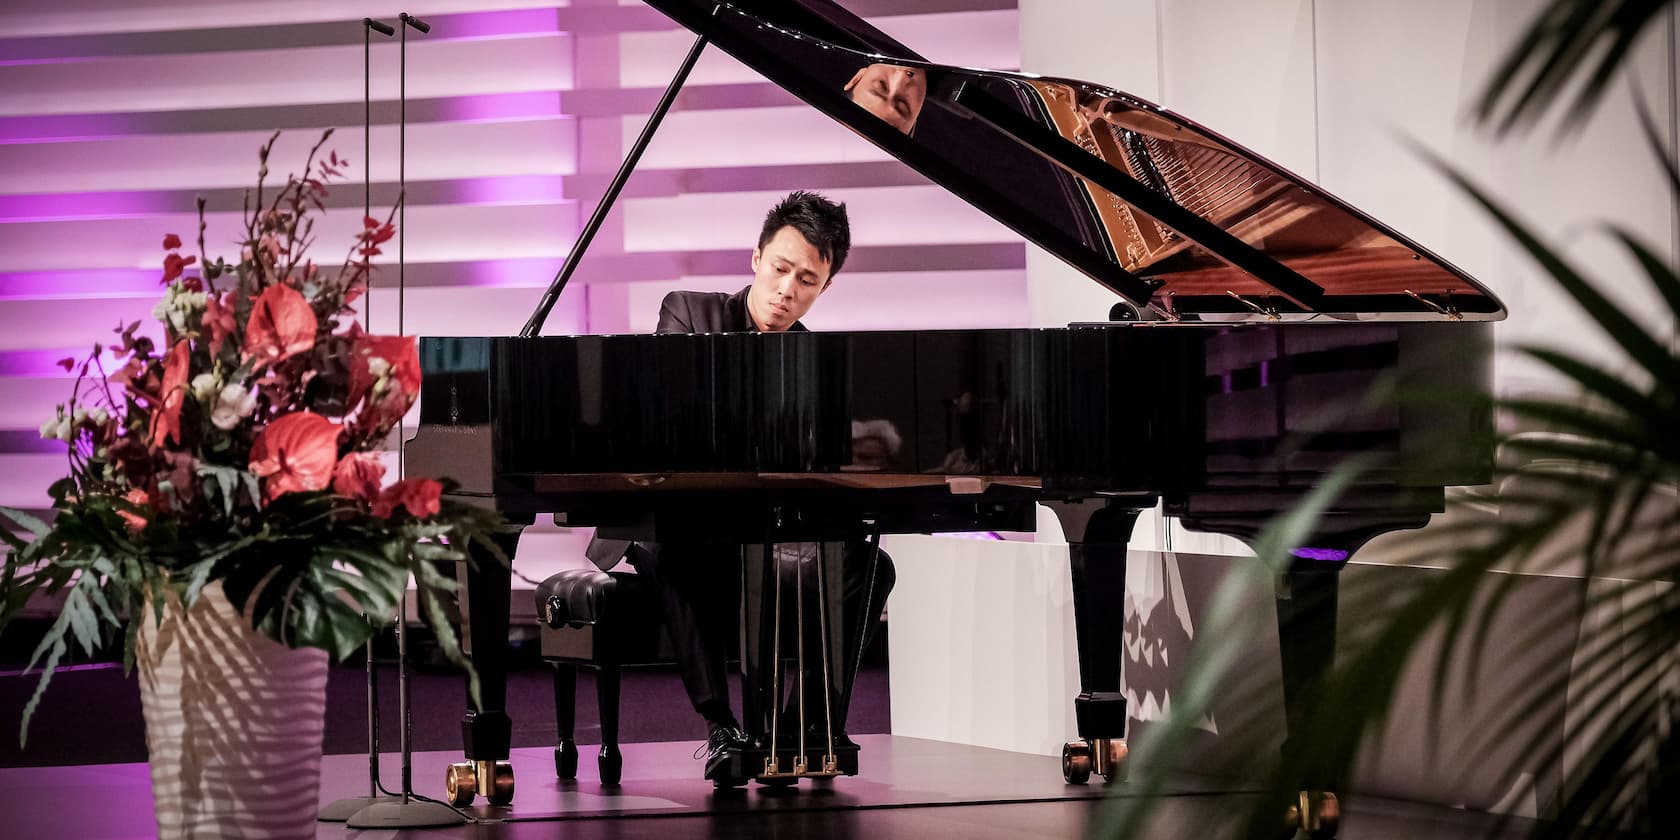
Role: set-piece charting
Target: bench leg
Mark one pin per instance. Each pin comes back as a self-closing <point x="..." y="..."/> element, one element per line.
<point x="565" y="715"/>
<point x="606" y="693"/>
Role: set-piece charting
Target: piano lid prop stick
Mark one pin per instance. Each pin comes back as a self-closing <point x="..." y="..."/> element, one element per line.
<point x="534" y="325"/>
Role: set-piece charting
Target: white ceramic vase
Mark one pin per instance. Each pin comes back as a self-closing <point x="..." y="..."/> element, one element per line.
<point x="233" y="724"/>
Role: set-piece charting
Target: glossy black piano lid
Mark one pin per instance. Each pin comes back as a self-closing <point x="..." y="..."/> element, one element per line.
<point x="1152" y="205"/>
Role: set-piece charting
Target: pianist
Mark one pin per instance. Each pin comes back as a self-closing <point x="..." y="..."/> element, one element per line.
<point x="891" y="92"/>
<point x="801" y="246"/>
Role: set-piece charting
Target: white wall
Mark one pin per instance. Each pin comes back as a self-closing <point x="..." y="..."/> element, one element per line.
<point x="1336" y="91"/>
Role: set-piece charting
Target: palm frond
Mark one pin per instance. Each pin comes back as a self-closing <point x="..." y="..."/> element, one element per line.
<point x="1567" y="39"/>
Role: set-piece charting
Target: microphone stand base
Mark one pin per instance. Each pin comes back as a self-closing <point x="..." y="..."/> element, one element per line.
<point x="411" y="814"/>
<point x="344" y="809"/>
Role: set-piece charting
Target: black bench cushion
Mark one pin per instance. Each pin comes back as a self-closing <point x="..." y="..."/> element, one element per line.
<point x="588" y="615"/>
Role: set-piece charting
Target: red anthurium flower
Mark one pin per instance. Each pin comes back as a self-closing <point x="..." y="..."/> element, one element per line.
<point x="358" y="476"/>
<point x="171" y="242"/>
<point x="166" y="420"/>
<point x="419" y="495"/>
<point x="173" y="264"/>
<point x="372" y="356"/>
<point x="135" y="521"/>
<point x="219" y="322"/>
<point x="282" y="325"/>
<point x="295" y="452"/>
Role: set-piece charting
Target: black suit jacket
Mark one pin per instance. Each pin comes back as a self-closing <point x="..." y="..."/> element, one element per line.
<point x="684" y="312"/>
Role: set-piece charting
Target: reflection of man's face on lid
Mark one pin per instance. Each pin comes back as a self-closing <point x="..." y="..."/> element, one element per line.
<point x="891" y="92"/>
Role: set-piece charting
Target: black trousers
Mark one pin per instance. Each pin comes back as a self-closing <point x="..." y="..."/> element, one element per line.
<point x="699" y="585"/>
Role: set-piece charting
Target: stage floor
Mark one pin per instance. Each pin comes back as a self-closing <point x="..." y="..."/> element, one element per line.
<point x="909" y="787"/>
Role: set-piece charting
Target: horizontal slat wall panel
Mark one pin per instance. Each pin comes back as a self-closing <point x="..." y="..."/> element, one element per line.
<point x="969" y="39"/>
<point x="26" y="401"/>
<point x="27" y="477"/>
<point x="229" y="160"/>
<point x="741" y="137"/>
<point x="887" y="216"/>
<point x="116" y="116"/>
<point x="78" y="17"/>
<point x="282" y="77"/>
<point x="445" y="232"/>
<point x="920" y="300"/>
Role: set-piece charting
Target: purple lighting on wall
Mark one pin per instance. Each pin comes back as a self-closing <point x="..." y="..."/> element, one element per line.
<point x="44" y="363"/>
<point x="499" y="106"/>
<point x="56" y="206"/>
<point x="106" y="283"/>
<point x="1326" y="555"/>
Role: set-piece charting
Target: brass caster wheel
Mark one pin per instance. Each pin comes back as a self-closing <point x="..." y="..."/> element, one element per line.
<point x="501" y="786"/>
<point x="1111" y="755"/>
<point x="1323" y="815"/>
<point x="460" y="784"/>
<point x="1076" y="762"/>
<point x="565" y="761"/>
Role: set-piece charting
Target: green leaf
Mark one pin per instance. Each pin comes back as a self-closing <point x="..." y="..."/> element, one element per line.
<point x="29" y="523"/>
<point x="48" y="668"/>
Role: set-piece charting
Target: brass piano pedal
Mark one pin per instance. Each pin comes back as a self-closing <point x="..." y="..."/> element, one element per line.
<point x="1316" y="813"/>
<point x="1111" y="755"/>
<point x="831" y="765"/>
<point x="772" y="768"/>
<point x="800" y="766"/>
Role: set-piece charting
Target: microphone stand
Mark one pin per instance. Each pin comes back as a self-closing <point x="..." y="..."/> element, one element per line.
<point x="343" y="809"/>
<point x="409" y="810"/>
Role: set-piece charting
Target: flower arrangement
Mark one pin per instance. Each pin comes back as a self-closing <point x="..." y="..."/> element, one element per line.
<point x="243" y="449"/>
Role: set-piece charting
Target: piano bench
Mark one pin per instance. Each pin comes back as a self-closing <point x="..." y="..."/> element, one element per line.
<point x="601" y="620"/>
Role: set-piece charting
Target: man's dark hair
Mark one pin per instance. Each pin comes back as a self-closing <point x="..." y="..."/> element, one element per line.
<point x="822" y="223"/>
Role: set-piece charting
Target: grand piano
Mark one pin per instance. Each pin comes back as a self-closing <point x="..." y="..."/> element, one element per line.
<point x="1253" y="313"/>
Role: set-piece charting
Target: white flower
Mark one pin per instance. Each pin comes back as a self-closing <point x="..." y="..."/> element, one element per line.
<point x="233" y="404"/>
<point x="99" y="416"/>
<point x="179" y="306"/>
<point x="59" y="427"/>
<point x="204" y="385"/>
<point x="79" y="417"/>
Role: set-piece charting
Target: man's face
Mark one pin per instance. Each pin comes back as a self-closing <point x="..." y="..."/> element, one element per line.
<point x="893" y="93"/>
<point x="788" y="274"/>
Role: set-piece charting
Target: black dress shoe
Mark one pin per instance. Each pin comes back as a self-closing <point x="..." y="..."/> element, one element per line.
<point x="720" y="740"/>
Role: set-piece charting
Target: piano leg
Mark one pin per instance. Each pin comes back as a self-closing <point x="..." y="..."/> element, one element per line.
<point x="1097" y="532"/>
<point x="486" y="731"/>
<point x="1306" y="614"/>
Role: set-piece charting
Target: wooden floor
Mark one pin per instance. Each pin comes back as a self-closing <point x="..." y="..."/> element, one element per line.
<point x="910" y="788"/>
